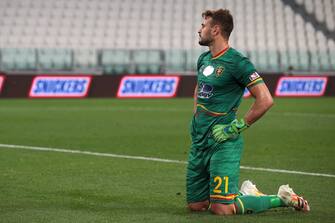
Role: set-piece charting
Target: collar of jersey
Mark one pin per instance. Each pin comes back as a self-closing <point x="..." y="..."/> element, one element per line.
<point x="221" y="53"/>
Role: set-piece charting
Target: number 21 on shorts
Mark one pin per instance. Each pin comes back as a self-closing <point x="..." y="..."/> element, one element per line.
<point x="218" y="181"/>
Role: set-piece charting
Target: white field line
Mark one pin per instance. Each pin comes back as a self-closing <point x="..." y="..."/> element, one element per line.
<point x="46" y="149"/>
<point x="147" y="109"/>
<point x="317" y="115"/>
<point x="109" y="108"/>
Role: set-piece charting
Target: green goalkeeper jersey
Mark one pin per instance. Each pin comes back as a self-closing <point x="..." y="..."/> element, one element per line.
<point x="221" y="81"/>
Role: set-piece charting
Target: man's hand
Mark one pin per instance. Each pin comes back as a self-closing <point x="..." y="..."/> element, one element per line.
<point x="224" y="132"/>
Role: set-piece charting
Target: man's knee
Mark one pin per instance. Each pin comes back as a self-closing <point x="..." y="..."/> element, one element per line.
<point x="199" y="206"/>
<point x="223" y="209"/>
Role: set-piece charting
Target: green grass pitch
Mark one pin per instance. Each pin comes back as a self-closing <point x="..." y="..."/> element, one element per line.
<point x="40" y="186"/>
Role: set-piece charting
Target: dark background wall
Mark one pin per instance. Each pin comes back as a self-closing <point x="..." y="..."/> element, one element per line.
<point x="18" y="86"/>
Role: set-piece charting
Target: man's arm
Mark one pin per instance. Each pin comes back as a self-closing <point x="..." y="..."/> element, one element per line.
<point x="263" y="102"/>
<point x="195" y="99"/>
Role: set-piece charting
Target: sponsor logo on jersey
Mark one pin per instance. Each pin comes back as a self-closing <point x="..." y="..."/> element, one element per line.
<point x="148" y="86"/>
<point x="208" y="70"/>
<point x="60" y="86"/>
<point x="301" y="86"/>
<point x="2" y="80"/>
<point x="205" y="91"/>
<point x="254" y="76"/>
<point x="219" y="71"/>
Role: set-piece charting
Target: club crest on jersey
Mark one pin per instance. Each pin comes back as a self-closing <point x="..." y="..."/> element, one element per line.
<point x="208" y="70"/>
<point x="254" y="76"/>
<point x="219" y="71"/>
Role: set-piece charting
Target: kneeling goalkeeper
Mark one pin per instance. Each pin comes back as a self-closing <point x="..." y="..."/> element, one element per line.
<point x="214" y="159"/>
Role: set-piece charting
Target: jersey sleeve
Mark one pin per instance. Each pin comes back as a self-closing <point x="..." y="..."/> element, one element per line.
<point x="246" y="73"/>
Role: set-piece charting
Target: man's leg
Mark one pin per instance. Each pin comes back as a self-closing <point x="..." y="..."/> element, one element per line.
<point x="199" y="206"/>
<point x="224" y="191"/>
<point x="248" y="204"/>
<point x="254" y="201"/>
<point x="223" y="209"/>
<point x="197" y="177"/>
<point x="224" y="176"/>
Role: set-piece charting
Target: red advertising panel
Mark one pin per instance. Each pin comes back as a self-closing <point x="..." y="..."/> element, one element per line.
<point x="2" y="80"/>
<point x="148" y="87"/>
<point x="60" y="86"/>
<point x="246" y="93"/>
<point x="301" y="86"/>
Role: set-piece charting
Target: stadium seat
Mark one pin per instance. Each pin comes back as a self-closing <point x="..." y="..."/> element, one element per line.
<point x="324" y="61"/>
<point x="54" y="59"/>
<point x="263" y="58"/>
<point x="273" y="61"/>
<point x="116" y="61"/>
<point x="315" y="63"/>
<point x="262" y="28"/>
<point x="293" y="59"/>
<point x="192" y="57"/>
<point x="331" y="47"/>
<point x="18" y="59"/>
<point x="175" y="60"/>
<point x="304" y="59"/>
<point x="147" y="61"/>
<point x="85" y="58"/>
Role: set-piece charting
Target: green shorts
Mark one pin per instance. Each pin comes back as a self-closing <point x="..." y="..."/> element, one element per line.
<point x="213" y="172"/>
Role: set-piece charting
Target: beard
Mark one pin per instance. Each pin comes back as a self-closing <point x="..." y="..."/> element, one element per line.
<point x="205" y="42"/>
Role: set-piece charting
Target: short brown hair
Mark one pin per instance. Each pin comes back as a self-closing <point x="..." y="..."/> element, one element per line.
<point x="223" y="18"/>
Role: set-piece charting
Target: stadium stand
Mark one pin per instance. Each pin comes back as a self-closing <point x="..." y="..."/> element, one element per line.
<point x="154" y="36"/>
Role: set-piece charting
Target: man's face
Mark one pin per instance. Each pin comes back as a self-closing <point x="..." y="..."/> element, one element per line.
<point x="205" y="35"/>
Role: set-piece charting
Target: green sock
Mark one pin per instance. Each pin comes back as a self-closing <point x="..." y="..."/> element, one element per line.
<point x="276" y="202"/>
<point x="256" y="204"/>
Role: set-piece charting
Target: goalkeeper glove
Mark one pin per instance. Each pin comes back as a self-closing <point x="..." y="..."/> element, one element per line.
<point x="224" y="132"/>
